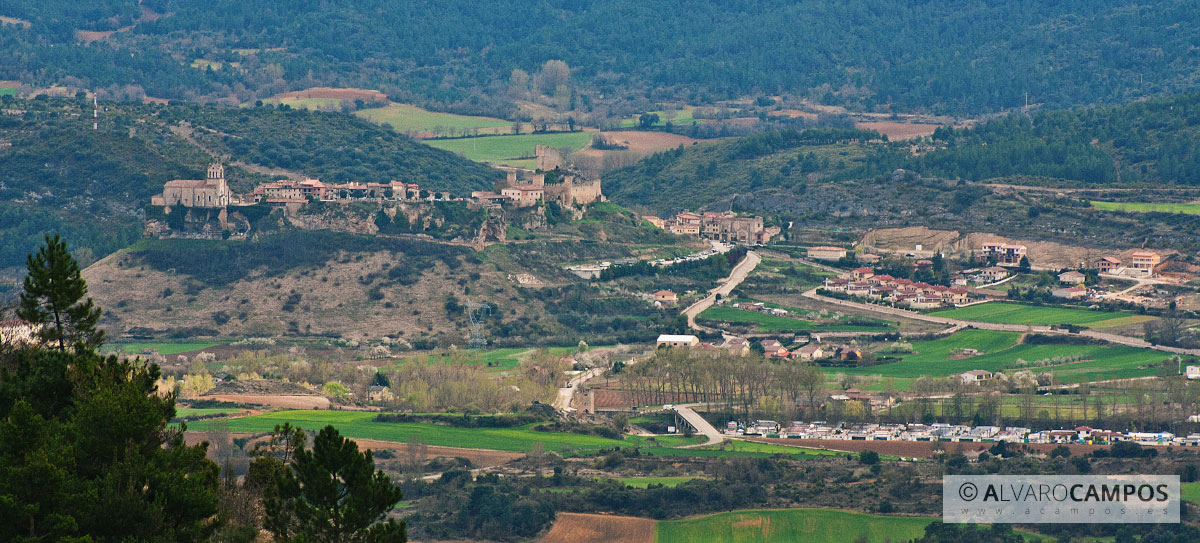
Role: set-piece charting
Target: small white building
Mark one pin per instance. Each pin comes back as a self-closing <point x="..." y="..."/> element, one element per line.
<point x="672" y="340"/>
<point x="1192" y="372"/>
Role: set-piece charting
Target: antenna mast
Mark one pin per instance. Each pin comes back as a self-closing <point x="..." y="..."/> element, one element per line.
<point x="95" y="113"/>
<point x="478" y="313"/>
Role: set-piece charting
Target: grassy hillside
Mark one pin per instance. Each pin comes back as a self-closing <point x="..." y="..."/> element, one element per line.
<point x="61" y="176"/>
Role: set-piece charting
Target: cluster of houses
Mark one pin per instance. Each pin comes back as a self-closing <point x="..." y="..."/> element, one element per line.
<point x="953" y="433"/>
<point x="723" y="227"/>
<point x="524" y="188"/>
<point x="771" y="348"/>
<point x="864" y="283"/>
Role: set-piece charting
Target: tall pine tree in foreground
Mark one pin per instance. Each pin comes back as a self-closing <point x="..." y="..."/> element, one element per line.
<point x="53" y="297"/>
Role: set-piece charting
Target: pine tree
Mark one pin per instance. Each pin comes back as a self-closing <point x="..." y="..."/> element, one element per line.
<point x="333" y="493"/>
<point x="53" y="297"/>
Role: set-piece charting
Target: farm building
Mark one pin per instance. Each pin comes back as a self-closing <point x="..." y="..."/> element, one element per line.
<point x="1071" y="278"/>
<point x="671" y="340"/>
<point x="826" y="253"/>
<point x="975" y="377"/>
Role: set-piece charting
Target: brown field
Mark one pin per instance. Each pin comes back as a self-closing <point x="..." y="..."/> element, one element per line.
<point x="644" y="142"/>
<point x="336" y="94"/>
<point x="899" y="131"/>
<point x="916" y="449"/>
<point x="794" y="113"/>
<point x="14" y="21"/>
<point x="585" y="528"/>
<point x="275" y="400"/>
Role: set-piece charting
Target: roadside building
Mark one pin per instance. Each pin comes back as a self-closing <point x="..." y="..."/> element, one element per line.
<point x="975" y="377"/>
<point x="1144" y="262"/>
<point x="671" y="340"/>
<point x="826" y="252"/>
<point x="1108" y="264"/>
<point x="1003" y="253"/>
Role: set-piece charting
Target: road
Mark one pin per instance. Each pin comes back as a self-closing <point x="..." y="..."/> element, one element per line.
<point x="735" y="278"/>
<point x="1095" y="334"/>
<point x="701" y="425"/>
<point x="562" y="402"/>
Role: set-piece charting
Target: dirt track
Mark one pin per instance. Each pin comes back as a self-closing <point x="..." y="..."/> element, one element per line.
<point x="586" y="528"/>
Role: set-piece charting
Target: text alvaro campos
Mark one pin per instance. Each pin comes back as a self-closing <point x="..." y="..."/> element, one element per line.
<point x="1044" y="499"/>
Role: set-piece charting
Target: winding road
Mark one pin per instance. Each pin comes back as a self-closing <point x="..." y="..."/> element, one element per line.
<point x="735" y="278"/>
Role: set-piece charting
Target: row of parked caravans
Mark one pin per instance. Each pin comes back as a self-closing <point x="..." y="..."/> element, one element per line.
<point x="952" y="433"/>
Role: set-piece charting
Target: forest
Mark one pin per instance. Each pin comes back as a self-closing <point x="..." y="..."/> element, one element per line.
<point x="958" y="57"/>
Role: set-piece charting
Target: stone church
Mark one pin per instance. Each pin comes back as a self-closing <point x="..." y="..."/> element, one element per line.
<point x="211" y="192"/>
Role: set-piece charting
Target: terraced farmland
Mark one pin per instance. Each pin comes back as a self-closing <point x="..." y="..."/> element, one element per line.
<point x="408" y="118"/>
<point x="512" y="150"/>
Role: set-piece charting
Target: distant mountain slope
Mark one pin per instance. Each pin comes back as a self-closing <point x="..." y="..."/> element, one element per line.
<point x="60" y="175"/>
<point x="957" y="56"/>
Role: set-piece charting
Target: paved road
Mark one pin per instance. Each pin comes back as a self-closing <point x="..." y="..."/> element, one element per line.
<point x="562" y="402"/>
<point x="701" y="425"/>
<point x="735" y="278"/>
<point x="1095" y="334"/>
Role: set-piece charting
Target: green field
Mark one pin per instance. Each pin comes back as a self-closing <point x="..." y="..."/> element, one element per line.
<point x="682" y="117"/>
<point x="407" y="118"/>
<point x="788" y="525"/>
<point x="499" y="359"/>
<point x="1001" y="351"/>
<point x="772" y="323"/>
<point x="1147" y="207"/>
<point x="161" y="348"/>
<point x="8" y="91"/>
<point x="505" y="149"/>
<point x="360" y="425"/>
<point x="182" y="412"/>
<point x="1190" y="492"/>
<point x="1010" y="313"/>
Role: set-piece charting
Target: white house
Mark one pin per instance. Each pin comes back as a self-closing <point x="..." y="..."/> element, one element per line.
<point x="671" y="340"/>
<point x="1192" y="372"/>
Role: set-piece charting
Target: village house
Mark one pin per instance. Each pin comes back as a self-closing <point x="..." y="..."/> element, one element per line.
<point x="377" y="393"/>
<point x="524" y="195"/>
<point x="737" y="346"/>
<point x="773" y="349"/>
<point x="975" y="377"/>
<point x="1003" y="253"/>
<point x="1144" y="262"/>
<point x="883" y="287"/>
<point x="1108" y="264"/>
<point x="1071" y="278"/>
<point x="993" y="274"/>
<point x="657" y="222"/>
<point x="825" y="252"/>
<point x="724" y="227"/>
<point x="812" y="351"/>
<point x="1069" y="293"/>
<point x="665" y="298"/>
<point x="671" y="340"/>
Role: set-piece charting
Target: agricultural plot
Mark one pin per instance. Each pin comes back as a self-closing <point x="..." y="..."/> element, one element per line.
<point x="1190" y="492"/>
<point x="160" y="348"/>
<point x="184" y="412"/>
<point x="361" y="425"/>
<point x="8" y="91"/>
<point x="780" y="525"/>
<point x="498" y="359"/>
<point x="645" y="482"/>
<point x="1010" y="313"/>
<point x="510" y="149"/>
<point x="408" y="118"/>
<point x="1147" y="207"/>
<point x="773" y="323"/>
<point x="1001" y="352"/>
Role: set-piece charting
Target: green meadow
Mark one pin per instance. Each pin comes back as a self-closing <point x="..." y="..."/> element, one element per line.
<point x="161" y="348"/>
<point x="644" y="482"/>
<point x="408" y="118"/>
<point x="361" y="425"/>
<point x="787" y="525"/>
<point x="506" y="149"/>
<point x="1147" y="207"/>
<point x="1010" y="313"/>
<point x="1000" y="352"/>
<point x="773" y="323"/>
